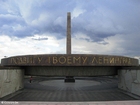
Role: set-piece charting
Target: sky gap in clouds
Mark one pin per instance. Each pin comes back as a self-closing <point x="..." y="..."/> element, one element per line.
<point x="103" y="26"/>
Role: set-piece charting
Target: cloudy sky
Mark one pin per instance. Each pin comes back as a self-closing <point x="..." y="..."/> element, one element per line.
<point x="98" y="27"/>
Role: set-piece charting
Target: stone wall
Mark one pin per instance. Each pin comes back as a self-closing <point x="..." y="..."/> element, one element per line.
<point x="129" y="79"/>
<point x="70" y="71"/>
<point x="11" y="80"/>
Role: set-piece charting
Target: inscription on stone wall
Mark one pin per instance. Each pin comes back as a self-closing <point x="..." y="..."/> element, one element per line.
<point x="70" y="60"/>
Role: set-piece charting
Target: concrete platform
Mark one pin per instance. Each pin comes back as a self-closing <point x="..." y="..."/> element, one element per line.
<point x="85" y="91"/>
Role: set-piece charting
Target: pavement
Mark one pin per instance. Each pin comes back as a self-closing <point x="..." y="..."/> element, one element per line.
<point x="85" y="91"/>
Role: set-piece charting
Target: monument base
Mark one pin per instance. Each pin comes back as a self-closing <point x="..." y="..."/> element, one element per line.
<point x="11" y="80"/>
<point x="69" y="79"/>
<point x="129" y="79"/>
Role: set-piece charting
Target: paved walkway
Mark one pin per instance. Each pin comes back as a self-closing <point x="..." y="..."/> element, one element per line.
<point x="85" y="91"/>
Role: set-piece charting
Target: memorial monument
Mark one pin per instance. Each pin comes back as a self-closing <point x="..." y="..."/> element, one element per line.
<point x="70" y="65"/>
<point x="13" y="69"/>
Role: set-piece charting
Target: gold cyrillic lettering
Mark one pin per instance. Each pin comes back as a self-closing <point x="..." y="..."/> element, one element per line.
<point x="20" y="60"/>
<point x="100" y="60"/>
<point x="76" y="59"/>
<point x="13" y="61"/>
<point x="129" y="61"/>
<point x="55" y="60"/>
<point x="117" y="60"/>
<point x="62" y="61"/>
<point x="31" y="60"/>
<point x="106" y="60"/>
<point x="124" y="60"/>
<point x="111" y="60"/>
<point x="69" y="60"/>
<point x="24" y="60"/>
<point x="84" y="59"/>
<point x="94" y="60"/>
<point x="39" y="59"/>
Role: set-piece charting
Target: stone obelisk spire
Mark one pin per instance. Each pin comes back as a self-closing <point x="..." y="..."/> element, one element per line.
<point x="68" y="33"/>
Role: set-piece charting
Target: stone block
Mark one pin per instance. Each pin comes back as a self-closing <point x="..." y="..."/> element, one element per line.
<point x="11" y="80"/>
<point x="121" y="84"/>
<point x="136" y="88"/>
<point x="1" y="81"/>
<point x="128" y="80"/>
<point x="125" y="80"/>
<point x="138" y="75"/>
<point x="134" y="74"/>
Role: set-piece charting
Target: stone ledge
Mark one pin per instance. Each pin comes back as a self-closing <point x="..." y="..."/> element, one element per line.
<point x="132" y="68"/>
<point x="3" y="67"/>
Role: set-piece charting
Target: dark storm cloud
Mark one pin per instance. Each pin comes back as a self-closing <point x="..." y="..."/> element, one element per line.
<point x="98" y="19"/>
<point x="101" y="19"/>
<point x="40" y="39"/>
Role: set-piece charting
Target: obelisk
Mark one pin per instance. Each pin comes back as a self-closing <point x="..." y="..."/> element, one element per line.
<point x="68" y="46"/>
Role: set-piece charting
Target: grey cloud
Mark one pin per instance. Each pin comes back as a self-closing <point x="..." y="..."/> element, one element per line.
<point x="11" y="20"/>
<point x="40" y="39"/>
<point x="93" y="22"/>
<point x="37" y="9"/>
<point x="131" y="44"/>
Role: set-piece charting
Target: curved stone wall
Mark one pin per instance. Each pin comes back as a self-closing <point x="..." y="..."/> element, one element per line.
<point x="70" y="71"/>
<point x="69" y="60"/>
